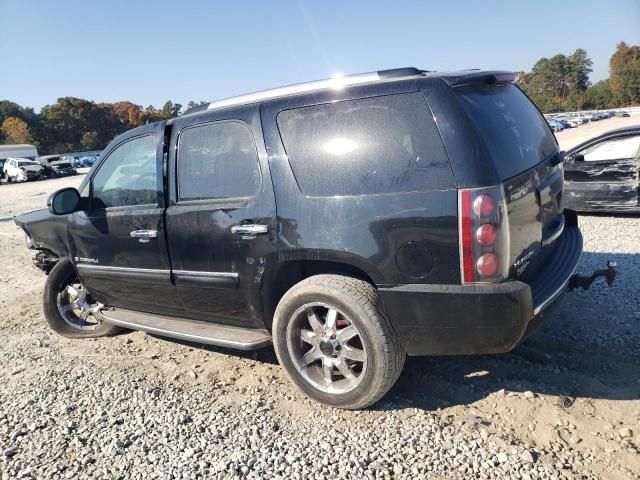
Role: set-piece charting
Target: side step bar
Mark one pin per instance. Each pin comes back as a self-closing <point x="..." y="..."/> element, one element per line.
<point x="190" y="330"/>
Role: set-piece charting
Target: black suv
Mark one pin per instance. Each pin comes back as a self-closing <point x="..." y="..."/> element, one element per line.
<point x="349" y="222"/>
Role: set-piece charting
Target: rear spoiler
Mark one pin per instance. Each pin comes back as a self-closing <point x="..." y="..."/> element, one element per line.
<point x="480" y="77"/>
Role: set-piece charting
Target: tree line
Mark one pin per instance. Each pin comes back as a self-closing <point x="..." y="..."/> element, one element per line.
<point x="75" y="124"/>
<point x="559" y="83"/>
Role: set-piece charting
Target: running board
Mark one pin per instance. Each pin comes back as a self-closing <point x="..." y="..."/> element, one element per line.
<point x="190" y="330"/>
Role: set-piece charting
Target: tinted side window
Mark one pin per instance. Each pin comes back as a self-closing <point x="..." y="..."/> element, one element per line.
<point x="217" y="160"/>
<point x="128" y="176"/>
<point x="358" y="147"/>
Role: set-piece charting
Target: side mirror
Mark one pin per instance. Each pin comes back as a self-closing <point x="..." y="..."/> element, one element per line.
<point x="64" y="201"/>
<point x="578" y="158"/>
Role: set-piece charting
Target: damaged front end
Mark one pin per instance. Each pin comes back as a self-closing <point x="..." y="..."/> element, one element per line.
<point x="46" y="234"/>
<point x="45" y="260"/>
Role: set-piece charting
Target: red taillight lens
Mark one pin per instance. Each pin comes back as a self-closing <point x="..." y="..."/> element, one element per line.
<point x="483" y="205"/>
<point x="483" y="235"/>
<point x="487" y="264"/>
<point x="467" y="236"/>
<point x="486" y="234"/>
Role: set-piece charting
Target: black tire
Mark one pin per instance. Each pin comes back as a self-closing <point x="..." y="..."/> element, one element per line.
<point x="358" y="301"/>
<point x="62" y="274"/>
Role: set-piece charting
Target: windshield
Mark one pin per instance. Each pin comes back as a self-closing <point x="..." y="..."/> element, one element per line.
<point x="513" y="129"/>
<point x="24" y="164"/>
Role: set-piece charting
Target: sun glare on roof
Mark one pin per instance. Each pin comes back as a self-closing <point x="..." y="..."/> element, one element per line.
<point x="338" y="81"/>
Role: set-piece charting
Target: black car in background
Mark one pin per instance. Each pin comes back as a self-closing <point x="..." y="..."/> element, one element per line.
<point x="349" y="222"/>
<point x="603" y="173"/>
<point x="55" y="166"/>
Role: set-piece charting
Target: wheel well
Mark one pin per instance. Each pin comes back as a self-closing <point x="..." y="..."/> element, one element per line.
<point x="280" y="278"/>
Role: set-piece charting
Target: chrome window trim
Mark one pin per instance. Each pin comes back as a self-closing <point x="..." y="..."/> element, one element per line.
<point x="197" y="273"/>
<point x="105" y="268"/>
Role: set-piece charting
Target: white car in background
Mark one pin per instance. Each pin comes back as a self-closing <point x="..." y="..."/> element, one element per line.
<point x="587" y="116"/>
<point x="22" y="169"/>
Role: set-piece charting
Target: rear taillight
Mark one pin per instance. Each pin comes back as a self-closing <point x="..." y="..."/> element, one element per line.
<point x="484" y="235"/>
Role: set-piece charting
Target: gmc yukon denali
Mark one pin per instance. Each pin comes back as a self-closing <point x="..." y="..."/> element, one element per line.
<point x="349" y="222"/>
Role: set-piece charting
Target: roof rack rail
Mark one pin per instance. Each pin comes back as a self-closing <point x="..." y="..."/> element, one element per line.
<point x="336" y="82"/>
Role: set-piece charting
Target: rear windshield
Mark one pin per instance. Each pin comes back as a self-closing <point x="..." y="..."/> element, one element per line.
<point x="517" y="136"/>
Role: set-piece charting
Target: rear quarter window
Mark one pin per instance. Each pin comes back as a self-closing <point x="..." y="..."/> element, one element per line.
<point x="368" y="146"/>
<point x="514" y="131"/>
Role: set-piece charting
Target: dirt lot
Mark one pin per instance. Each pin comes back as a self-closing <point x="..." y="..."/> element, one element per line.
<point x="573" y="136"/>
<point x="566" y="404"/>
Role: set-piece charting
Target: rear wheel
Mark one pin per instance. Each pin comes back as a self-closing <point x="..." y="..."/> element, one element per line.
<point x="334" y="339"/>
<point x="69" y="308"/>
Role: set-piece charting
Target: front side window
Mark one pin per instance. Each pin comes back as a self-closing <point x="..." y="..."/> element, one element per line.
<point x="128" y="176"/>
<point x="217" y="160"/>
<point x="616" y="149"/>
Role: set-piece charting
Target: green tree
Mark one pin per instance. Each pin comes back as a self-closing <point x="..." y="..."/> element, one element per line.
<point x="90" y="141"/>
<point x="599" y="96"/>
<point x="624" y="76"/>
<point x="193" y="103"/>
<point x="26" y="114"/>
<point x="65" y="123"/>
<point x="16" y="130"/>
<point x="558" y="83"/>
<point x="170" y="109"/>
<point x="578" y="70"/>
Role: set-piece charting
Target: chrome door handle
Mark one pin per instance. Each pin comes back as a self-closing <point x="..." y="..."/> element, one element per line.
<point x="144" y="236"/>
<point x="250" y="230"/>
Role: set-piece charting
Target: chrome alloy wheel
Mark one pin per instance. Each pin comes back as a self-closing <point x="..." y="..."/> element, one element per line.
<point x="326" y="348"/>
<point x="77" y="308"/>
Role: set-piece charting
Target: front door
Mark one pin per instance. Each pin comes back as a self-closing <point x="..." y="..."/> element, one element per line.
<point x="604" y="174"/>
<point x="221" y="216"/>
<point x="118" y="245"/>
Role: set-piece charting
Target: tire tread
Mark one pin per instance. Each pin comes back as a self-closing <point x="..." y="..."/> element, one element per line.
<point x="366" y="296"/>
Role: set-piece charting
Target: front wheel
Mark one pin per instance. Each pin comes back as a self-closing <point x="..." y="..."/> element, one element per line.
<point x="69" y="308"/>
<point x="334" y="339"/>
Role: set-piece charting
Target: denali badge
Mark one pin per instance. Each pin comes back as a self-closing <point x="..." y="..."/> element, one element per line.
<point x="522" y="263"/>
<point x="85" y="259"/>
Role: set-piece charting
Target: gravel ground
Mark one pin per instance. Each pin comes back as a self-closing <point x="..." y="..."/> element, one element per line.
<point x="566" y="404"/>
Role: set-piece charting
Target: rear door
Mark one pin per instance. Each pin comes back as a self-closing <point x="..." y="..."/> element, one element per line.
<point x="221" y="217"/>
<point x="118" y="245"/>
<point x="604" y="174"/>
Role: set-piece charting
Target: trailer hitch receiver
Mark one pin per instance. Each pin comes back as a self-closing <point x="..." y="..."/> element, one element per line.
<point x="578" y="281"/>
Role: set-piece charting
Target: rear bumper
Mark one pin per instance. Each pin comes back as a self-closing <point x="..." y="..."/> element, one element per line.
<point x="477" y="319"/>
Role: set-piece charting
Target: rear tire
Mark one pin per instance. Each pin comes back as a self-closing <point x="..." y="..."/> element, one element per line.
<point x="334" y="339"/>
<point x="58" y="307"/>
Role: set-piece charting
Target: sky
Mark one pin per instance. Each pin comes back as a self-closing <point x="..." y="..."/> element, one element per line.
<point x="151" y="51"/>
